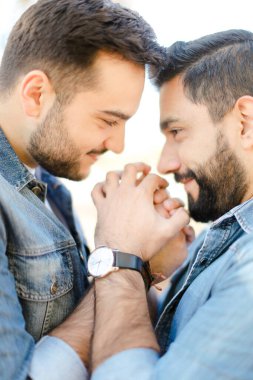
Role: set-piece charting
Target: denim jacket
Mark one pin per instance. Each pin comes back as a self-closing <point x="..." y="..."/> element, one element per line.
<point x="41" y="261"/>
<point x="206" y="328"/>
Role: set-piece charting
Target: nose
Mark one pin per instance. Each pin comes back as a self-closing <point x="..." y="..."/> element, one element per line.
<point x="169" y="161"/>
<point x="116" y="141"/>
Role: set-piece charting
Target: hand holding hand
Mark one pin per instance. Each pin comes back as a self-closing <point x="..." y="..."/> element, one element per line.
<point x="127" y="216"/>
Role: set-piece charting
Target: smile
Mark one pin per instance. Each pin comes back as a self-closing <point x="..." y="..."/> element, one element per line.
<point x="186" y="180"/>
<point x="94" y="157"/>
<point x="187" y="183"/>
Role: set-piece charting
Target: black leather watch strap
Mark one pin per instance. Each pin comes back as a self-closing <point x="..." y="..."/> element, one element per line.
<point x="129" y="261"/>
<point x="147" y="275"/>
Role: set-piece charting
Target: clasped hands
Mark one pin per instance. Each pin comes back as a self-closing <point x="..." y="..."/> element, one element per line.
<point x="136" y="215"/>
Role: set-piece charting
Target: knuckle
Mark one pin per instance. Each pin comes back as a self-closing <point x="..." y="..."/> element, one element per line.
<point x="110" y="175"/>
<point x="97" y="187"/>
<point x="151" y="177"/>
<point x="130" y="167"/>
<point x="155" y="179"/>
<point x="93" y="192"/>
<point x="163" y="193"/>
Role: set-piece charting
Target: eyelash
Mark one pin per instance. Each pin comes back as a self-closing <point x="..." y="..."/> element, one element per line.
<point x="111" y="123"/>
<point x="174" y="132"/>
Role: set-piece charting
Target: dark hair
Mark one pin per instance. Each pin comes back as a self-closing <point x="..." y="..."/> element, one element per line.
<point x="216" y="69"/>
<point x="63" y="37"/>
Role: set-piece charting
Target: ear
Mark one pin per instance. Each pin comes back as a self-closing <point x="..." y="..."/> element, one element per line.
<point x="245" y="107"/>
<point x="35" y="91"/>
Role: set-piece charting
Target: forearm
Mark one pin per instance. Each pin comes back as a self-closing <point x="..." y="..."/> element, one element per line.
<point x="77" y="329"/>
<point x="121" y="316"/>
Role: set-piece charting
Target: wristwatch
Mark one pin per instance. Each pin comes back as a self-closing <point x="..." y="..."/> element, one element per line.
<point x="104" y="260"/>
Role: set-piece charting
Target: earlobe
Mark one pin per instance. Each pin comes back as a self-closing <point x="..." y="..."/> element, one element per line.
<point x="33" y="90"/>
<point x="245" y="107"/>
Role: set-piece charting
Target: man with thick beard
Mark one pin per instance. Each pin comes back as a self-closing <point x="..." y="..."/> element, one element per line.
<point x="205" y="329"/>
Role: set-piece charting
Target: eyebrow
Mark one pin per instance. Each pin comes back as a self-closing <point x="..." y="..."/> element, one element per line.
<point x="165" y="124"/>
<point x="118" y="114"/>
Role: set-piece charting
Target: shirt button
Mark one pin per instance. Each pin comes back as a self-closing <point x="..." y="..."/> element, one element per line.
<point x="203" y="260"/>
<point x="54" y="287"/>
<point x="36" y="190"/>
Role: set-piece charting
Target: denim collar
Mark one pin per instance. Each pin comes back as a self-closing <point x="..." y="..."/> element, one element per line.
<point x="11" y="168"/>
<point x="243" y="215"/>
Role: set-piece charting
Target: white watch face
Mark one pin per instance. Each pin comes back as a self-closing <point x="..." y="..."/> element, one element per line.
<point x="100" y="262"/>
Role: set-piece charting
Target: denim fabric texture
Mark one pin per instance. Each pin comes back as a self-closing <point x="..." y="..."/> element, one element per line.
<point x="42" y="263"/>
<point x="205" y="329"/>
<point x="54" y="359"/>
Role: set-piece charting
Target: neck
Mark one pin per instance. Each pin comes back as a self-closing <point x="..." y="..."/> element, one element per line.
<point x="13" y="125"/>
<point x="248" y="195"/>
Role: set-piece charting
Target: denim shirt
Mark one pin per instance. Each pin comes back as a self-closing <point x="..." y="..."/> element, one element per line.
<point x="41" y="261"/>
<point x="205" y="330"/>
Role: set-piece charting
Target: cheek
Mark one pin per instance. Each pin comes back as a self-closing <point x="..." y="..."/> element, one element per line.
<point x="188" y="155"/>
<point x="87" y="138"/>
<point x="194" y="154"/>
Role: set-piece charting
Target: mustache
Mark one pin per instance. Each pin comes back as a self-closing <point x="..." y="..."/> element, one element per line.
<point x="97" y="151"/>
<point x="184" y="176"/>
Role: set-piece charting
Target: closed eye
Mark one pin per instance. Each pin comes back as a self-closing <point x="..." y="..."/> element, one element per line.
<point x="111" y="123"/>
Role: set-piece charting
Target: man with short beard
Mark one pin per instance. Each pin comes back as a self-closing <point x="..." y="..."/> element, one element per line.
<point x="205" y="329"/>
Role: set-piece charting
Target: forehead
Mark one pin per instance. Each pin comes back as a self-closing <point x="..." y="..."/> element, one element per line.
<point x="118" y="79"/>
<point x="116" y="90"/>
<point x="172" y="97"/>
<point x="175" y="105"/>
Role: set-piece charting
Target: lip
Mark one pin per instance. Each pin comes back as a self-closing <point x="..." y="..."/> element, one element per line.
<point x="187" y="183"/>
<point x="94" y="157"/>
<point x="185" y="180"/>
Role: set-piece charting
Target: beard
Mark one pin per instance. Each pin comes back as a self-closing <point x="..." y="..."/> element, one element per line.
<point x="51" y="147"/>
<point x="222" y="184"/>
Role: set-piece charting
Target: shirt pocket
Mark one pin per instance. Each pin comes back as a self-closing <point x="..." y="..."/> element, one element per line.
<point x="42" y="277"/>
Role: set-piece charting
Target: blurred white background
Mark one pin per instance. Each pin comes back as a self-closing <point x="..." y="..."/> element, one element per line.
<point x="177" y="20"/>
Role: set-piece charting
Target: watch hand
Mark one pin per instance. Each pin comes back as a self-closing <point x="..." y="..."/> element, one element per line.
<point x="96" y="262"/>
<point x="99" y="262"/>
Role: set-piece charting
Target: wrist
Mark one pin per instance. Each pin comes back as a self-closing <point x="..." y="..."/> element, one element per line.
<point x="121" y="301"/>
<point x="103" y="261"/>
<point x="124" y="280"/>
<point x="124" y="246"/>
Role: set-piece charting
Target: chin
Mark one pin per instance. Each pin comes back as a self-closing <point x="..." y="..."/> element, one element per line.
<point x="82" y="175"/>
<point x="76" y="176"/>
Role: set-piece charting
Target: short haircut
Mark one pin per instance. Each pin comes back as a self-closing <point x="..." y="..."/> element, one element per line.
<point x="63" y="37"/>
<point x="216" y="69"/>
